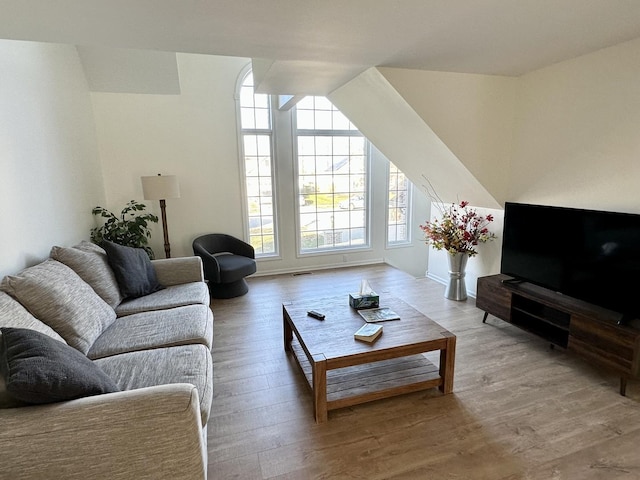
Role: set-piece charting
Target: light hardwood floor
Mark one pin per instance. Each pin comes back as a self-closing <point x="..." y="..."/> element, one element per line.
<point x="518" y="410"/>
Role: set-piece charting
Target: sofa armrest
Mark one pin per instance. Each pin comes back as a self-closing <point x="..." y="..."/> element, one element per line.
<point x="148" y="433"/>
<point x="176" y="271"/>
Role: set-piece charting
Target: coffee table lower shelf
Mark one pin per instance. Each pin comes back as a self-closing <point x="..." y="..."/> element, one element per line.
<point x="358" y="384"/>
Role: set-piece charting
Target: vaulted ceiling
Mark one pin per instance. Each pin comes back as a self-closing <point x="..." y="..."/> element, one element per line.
<point x="329" y="41"/>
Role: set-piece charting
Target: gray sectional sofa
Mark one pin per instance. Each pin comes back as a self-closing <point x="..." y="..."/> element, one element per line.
<point x="155" y="349"/>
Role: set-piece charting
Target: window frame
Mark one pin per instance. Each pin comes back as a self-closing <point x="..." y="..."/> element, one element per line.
<point x="241" y="132"/>
<point x="366" y="246"/>
<point x="408" y="214"/>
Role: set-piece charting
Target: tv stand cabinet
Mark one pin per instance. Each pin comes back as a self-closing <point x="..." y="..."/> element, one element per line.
<point x="591" y="332"/>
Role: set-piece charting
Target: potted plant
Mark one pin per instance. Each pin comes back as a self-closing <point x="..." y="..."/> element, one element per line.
<point x="460" y="230"/>
<point x="129" y="228"/>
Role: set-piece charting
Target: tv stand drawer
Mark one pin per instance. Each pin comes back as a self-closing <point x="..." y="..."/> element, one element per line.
<point x="610" y="345"/>
<point x="492" y="297"/>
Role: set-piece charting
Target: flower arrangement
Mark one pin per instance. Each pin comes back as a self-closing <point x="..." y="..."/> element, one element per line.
<point x="460" y="230"/>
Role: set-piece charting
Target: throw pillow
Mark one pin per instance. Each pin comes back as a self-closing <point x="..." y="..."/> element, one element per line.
<point x="90" y="262"/>
<point x="12" y="314"/>
<point x="6" y="400"/>
<point x="133" y="269"/>
<point x="57" y="296"/>
<point x="38" y="369"/>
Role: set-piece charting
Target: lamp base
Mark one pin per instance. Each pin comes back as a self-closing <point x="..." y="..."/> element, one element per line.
<point x="165" y="231"/>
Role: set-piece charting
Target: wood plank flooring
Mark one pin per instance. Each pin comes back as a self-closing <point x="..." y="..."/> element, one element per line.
<point x="519" y="410"/>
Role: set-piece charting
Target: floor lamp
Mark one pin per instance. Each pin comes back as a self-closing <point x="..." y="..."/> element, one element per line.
<point x="160" y="188"/>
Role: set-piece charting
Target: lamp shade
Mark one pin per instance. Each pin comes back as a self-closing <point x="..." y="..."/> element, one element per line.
<point x="160" y="187"/>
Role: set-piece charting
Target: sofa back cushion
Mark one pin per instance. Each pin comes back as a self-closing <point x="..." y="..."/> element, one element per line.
<point x="13" y="314"/>
<point x="56" y="295"/>
<point x="90" y="262"/>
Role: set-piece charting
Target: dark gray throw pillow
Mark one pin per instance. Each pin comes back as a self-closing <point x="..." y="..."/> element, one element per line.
<point x="133" y="270"/>
<point x="38" y="369"/>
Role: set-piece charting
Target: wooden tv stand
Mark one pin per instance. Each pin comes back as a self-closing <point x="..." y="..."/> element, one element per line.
<point x="589" y="331"/>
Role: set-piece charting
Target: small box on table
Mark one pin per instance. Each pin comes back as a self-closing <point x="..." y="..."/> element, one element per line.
<point x="370" y="300"/>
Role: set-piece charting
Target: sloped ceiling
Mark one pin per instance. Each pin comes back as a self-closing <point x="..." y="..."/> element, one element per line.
<point x="395" y="128"/>
<point x="335" y="38"/>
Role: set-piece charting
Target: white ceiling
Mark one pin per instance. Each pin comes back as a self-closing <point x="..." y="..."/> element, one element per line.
<point x="503" y="37"/>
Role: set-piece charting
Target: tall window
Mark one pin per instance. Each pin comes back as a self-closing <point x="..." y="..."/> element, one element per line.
<point x="257" y="134"/>
<point x="332" y="178"/>
<point x="398" y="211"/>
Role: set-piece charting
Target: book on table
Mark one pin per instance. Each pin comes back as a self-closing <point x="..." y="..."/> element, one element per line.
<point x="368" y="332"/>
<point x="382" y="314"/>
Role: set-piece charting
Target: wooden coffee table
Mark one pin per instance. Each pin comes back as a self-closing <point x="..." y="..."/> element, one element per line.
<point x="342" y="371"/>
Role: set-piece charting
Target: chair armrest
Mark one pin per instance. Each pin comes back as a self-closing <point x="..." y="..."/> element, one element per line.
<point x="176" y="271"/>
<point x="210" y="264"/>
<point x="149" y="433"/>
<point x="239" y="247"/>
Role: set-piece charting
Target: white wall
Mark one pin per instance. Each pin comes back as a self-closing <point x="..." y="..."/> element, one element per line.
<point x="50" y="175"/>
<point x="575" y="135"/>
<point x="577" y="140"/>
<point x="191" y="135"/>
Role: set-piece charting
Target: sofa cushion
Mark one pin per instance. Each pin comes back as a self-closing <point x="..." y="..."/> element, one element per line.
<point x="13" y="314"/>
<point x="187" y="325"/>
<point x="38" y="369"/>
<point x="182" y="364"/>
<point x="90" y="262"/>
<point x="195" y="293"/>
<point x="56" y="295"/>
<point x="133" y="270"/>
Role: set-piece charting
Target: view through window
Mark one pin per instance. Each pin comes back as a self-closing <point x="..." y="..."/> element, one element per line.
<point x="333" y="182"/>
<point x="257" y="141"/>
<point x="398" y="213"/>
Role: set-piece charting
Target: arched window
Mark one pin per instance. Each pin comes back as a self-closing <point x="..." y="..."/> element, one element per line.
<point x="257" y="153"/>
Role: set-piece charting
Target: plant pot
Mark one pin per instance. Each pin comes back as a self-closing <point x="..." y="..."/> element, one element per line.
<point x="456" y="288"/>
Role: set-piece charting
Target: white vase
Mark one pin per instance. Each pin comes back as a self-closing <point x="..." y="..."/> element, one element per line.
<point x="457" y="289"/>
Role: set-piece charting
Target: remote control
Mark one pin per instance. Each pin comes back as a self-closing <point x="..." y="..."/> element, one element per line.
<point x="316" y="315"/>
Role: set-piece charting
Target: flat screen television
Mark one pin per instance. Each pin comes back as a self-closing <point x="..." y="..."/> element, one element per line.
<point x="586" y="254"/>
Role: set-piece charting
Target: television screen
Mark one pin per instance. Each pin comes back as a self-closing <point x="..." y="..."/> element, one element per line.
<point x="586" y="254"/>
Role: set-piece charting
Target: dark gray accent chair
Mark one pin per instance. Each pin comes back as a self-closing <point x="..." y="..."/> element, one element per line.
<point x="227" y="261"/>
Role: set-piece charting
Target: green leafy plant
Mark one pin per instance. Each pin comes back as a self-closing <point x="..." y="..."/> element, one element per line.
<point x="130" y="229"/>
